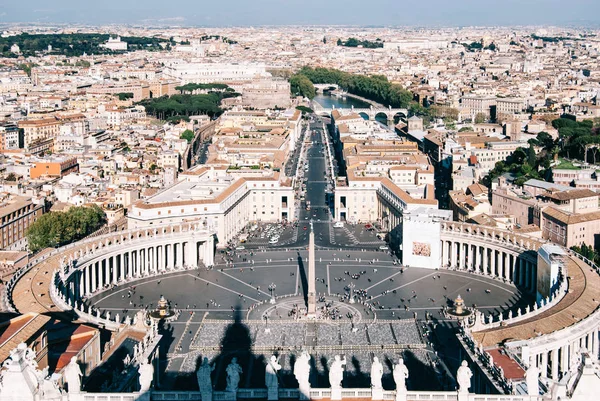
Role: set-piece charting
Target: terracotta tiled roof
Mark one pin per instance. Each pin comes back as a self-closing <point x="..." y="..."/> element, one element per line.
<point x="570" y="218"/>
<point x="18" y="330"/>
<point x="509" y="366"/>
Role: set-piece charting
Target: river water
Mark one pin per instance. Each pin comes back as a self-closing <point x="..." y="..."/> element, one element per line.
<point x="328" y="101"/>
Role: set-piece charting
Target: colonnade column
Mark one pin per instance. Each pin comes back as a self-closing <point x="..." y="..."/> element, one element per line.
<point x="533" y="277"/>
<point x="563" y="358"/>
<point x="493" y="262"/>
<point x="454" y="255"/>
<point x="115" y="269"/>
<point x="151" y="266"/>
<point x="595" y="344"/>
<point x="179" y="249"/>
<point x="484" y="267"/>
<point x="521" y="272"/>
<point x="94" y="285"/>
<point x="159" y="258"/>
<point x="555" y="364"/>
<point x="544" y="367"/>
<point x="86" y="280"/>
<point x="506" y="267"/>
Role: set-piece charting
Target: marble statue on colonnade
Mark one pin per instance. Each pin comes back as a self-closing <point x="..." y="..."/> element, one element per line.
<point x="146" y="371"/>
<point x="400" y="374"/>
<point x="463" y="377"/>
<point x="72" y="375"/>
<point x="204" y="380"/>
<point x="376" y="374"/>
<point x="234" y="370"/>
<point x="271" y="380"/>
<point x="336" y="372"/>
<point x="336" y="375"/>
<point x="302" y="374"/>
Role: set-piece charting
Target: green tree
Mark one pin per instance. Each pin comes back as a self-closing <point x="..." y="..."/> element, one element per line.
<point x="300" y="85"/>
<point x="480" y="118"/>
<point x="531" y="157"/>
<point x="305" y="110"/>
<point x="124" y="95"/>
<point x="188" y="135"/>
<point x="60" y="228"/>
<point x="26" y="67"/>
<point x="545" y="140"/>
<point x="465" y="129"/>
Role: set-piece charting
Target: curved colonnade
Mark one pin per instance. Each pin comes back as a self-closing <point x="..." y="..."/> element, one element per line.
<point x="490" y="251"/>
<point x="79" y="271"/>
<point x="553" y="331"/>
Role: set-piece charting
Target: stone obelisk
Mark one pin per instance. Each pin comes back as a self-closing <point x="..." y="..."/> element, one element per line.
<point x="312" y="296"/>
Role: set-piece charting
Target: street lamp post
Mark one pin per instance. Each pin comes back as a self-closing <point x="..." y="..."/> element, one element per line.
<point x="272" y="287"/>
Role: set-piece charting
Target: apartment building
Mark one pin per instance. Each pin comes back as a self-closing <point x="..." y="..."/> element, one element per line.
<point x="17" y="213"/>
<point x="478" y="104"/>
<point x="54" y="167"/>
<point x="470" y="203"/>
<point x="41" y="130"/>
<point x="10" y="139"/>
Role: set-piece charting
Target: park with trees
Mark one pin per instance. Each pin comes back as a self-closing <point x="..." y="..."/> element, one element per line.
<point x="578" y="140"/>
<point x="180" y="107"/>
<point x="56" y="229"/>
<point x="72" y="44"/>
<point x="367" y="44"/>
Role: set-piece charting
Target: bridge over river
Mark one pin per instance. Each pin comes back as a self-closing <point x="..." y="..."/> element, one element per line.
<point x="370" y="112"/>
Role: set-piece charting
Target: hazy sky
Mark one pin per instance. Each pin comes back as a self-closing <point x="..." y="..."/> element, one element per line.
<point x="318" y="12"/>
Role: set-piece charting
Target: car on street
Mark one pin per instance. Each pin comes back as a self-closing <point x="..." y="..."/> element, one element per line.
<point x="338" y="224"/>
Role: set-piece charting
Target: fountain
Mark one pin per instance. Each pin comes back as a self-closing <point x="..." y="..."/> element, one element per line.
<point x="163" y="310"/>
<point x="458" y="310"/>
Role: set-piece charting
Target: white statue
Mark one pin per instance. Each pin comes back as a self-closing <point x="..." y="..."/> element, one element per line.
<point x="146" y="371"/>
<point x="532" y="379"/>
<point x="302" y="374"/>
<point x="203" y="377"/>
<point x="336" y="372"/>
<point x="271" y="370"/>
<point x="72" y="376"/>
<point x="400" y="375"/>
<point x="49" y="387"/>
<point x="463" y="377"/>
<point x="233" y="375"/>
<point x="376" y="373"/>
